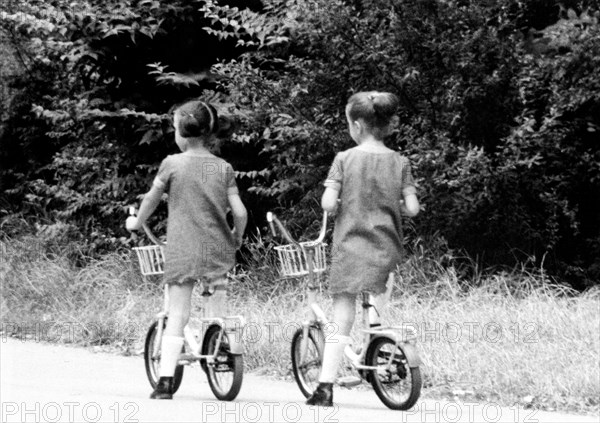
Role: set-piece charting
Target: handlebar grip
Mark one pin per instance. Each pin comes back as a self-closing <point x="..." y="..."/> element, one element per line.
<point x="133" y="212"/>
<point x="270" y="220"/>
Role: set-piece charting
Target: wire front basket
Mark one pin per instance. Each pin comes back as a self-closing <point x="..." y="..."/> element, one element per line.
<point x="294" y="262"/>
<point x="151" y="258"/>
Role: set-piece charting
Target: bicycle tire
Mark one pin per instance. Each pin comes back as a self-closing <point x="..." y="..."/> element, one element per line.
<point x="378" y="354"/>
<point x="307" y="373"/>
<point x="152" y="364"/>
<point x="225" y="362"/>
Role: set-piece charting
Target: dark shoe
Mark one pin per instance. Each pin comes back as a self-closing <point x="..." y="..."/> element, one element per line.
<point x="323" y="395"/>
<point x="163" y="389"/>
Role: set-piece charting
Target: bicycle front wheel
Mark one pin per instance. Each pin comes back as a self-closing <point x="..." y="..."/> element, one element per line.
<point x="398" y="386"/>
<point x="152" y="358"/>
<point x="306" y="365"/>
<point x="226" y="372"/>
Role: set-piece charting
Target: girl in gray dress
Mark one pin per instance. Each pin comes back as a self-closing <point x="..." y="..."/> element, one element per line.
<point x="200" y="244"/>
<point x="373" y="187"/>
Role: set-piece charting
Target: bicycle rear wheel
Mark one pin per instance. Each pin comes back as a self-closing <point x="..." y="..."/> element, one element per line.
<point x="152" y="359"/>
<point x="225" y="374"/>
<point x="307" y="368"/>
<point x="398" y="387"/>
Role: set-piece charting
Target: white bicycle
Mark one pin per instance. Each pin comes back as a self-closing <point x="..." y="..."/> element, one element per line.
<point x="386" y="357"/>
<point x="219" y="352"/>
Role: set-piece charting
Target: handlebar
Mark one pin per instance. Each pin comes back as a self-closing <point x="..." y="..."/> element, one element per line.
<point x="149" y="233"/>
<point x="272" y="218"/>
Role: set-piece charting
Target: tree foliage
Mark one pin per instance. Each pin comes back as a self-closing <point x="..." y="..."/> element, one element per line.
<point x="499" y="113"/>
<point x="91" y="122"/>
<point x="500" y="109"/>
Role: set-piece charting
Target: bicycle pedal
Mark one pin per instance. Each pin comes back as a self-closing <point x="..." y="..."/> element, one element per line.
<point x="349" y="381"/>
<point x="187" y="357"/>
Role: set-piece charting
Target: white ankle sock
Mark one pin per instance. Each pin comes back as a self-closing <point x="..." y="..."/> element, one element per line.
<point x="216" y="306"/>
<point x="170" y="350"/>
<point x="332" y="357"/>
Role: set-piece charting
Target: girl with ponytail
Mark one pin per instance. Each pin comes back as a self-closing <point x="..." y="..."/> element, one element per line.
<point x="370" y="187"/>
<point x="200" y="243"/>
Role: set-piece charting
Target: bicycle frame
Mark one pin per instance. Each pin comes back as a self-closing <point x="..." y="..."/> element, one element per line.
<point x="396" y="333"/>
<point x="236" y="346"/>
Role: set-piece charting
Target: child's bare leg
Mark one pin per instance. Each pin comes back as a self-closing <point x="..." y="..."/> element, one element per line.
<point x="344" y="311"/>
<point x="217" y="303"/>
<point x="379" y="301"/>
<point x="180" y="296"/>
<point x="343" y="317"/>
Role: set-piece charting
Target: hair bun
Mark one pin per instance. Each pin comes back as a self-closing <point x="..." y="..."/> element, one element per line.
<point x="376" y="109"/>
<point x="384" y="104"/>
<point x="197" y="118"/>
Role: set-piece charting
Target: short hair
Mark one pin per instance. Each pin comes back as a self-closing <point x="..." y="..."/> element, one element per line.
<point x="375" y="108"/>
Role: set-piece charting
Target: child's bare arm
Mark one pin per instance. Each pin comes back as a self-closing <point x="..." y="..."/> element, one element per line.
<point x="410" y="206"/>
<point x="240" y="217"/>
<point x="149" y="203"/>
<point x="329" y="201"/>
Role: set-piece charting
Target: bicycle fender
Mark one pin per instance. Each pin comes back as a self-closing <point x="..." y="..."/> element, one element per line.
<point x="235" y="342"/>
<point x="234" y="338"/>
<point x="412" y="356"/>
<point x="410" y="351"/>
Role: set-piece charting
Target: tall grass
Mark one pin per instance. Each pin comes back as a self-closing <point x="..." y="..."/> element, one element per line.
<point x="46" y="297"/>
<point x="509" y="337"/>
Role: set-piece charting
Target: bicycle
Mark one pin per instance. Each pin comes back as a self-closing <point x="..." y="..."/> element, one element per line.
<point x="387" y="357"/>
<point x="220" y="352"/>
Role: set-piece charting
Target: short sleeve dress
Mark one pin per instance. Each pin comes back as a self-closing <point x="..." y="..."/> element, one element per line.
<point x="199" y="240"/>
<point x="367" y="237"/>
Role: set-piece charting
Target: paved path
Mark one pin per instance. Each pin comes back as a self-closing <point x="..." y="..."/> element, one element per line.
<point x="53" y="383"/>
